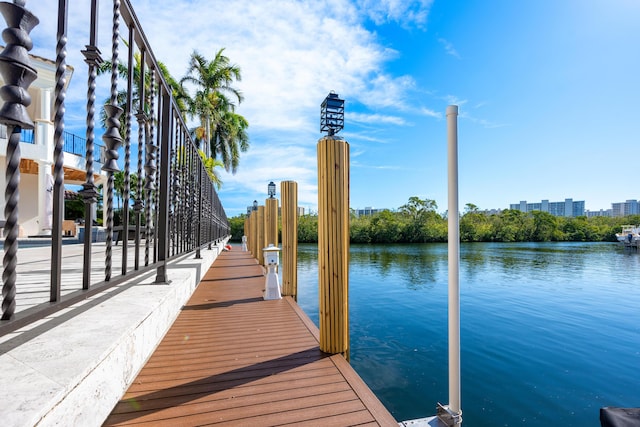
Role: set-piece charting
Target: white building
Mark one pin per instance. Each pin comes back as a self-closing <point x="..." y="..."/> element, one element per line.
<point x="568" y="208"/>
<point x="36" y="165"/>
<point x="630" y="207"/>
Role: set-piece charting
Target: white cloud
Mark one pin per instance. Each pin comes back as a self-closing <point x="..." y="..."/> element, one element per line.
<point x="375" y="119"/>
<point x="405" y="13"/>
<point x="430" y="113"/>
<point x="454" y="100"/>
<point x="292" y="53"/>
<point x="448" y="47"/>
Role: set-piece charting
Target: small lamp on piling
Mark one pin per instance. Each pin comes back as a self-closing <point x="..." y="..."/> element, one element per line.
<point x="271" y="189"/>
<point x="332" y="114"/>
<point x="255" y="205"/>
<point x="249" y="209"/>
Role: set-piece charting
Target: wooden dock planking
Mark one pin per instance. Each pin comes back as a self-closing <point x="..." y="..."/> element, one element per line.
<point x="233" y="359"/>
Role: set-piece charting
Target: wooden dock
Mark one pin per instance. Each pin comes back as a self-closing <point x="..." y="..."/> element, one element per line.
<point x="233" y="359"/>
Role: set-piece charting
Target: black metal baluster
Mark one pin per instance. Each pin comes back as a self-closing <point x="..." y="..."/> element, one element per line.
<point x="17" y="74"/>
<point x="127" y="152"/>
<point x="112" y="137"/>
<point x="164" y="182"/>
<point x="58" y="153"/>
<point x="89" y="191"/>
<point x="138" y="205"/>
<point x="150" y="168"/>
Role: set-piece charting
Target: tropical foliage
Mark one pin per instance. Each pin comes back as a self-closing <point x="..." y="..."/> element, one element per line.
<point x="213" y="104"/>
<point x="418" y="222"/>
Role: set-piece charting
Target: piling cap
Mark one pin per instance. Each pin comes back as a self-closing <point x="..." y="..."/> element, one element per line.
<point x="452" y="109"/>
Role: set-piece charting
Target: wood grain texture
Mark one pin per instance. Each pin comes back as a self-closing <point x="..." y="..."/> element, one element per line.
<point x="233" y="359"/>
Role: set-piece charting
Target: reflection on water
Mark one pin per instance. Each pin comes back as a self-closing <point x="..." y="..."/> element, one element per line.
<point x="550" y="331"/>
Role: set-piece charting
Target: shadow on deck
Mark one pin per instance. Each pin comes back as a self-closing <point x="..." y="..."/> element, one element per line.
<point x="233" y="359"/>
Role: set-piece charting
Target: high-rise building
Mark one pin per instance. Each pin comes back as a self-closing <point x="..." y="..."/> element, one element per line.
<point x="568" y="208"/>
<point x="630" y="207"/>
<point x="368" y="211"/>
<point x="601" y="212"/>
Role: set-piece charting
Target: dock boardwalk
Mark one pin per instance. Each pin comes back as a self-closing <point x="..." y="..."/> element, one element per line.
<point x="233" y="359"/>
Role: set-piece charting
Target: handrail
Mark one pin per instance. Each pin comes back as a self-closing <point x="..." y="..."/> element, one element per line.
<point x="73" y="143"/>
<point x="175" y="209"/>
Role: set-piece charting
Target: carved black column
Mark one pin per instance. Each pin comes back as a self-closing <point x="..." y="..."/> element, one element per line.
<point x="58" y="153"/>
<point x="138" y="205"/>
<point x="150" y="169"/>
<point x="89" y="192"/>
<point x="18" y="74"/>
<point x="111" y="137"/>
<point x="127" y="151"/>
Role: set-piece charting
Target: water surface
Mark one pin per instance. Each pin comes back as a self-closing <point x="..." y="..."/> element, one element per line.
<point x="550" y="332"/>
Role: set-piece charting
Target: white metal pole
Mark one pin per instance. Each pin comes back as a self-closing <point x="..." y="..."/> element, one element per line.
<point x="454" y="261"/>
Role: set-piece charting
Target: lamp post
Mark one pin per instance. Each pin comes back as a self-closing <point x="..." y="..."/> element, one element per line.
<point x="271" y="216"/>
<point x="333" y="229"/>
<point x="246" y="229"/>
<point x="253" y="234"/>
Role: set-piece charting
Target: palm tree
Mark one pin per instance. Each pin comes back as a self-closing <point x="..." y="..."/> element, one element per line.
<point x="178" y="94"/>
<point x="210" y="165"/>
<point x="220" y="125"/>
<point x="184" y="104"/>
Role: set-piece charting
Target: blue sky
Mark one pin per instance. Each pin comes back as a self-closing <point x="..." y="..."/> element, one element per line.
<point x="548" y="92"/>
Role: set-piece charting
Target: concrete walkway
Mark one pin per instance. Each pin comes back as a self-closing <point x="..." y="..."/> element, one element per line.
<point x="71" y="368"/>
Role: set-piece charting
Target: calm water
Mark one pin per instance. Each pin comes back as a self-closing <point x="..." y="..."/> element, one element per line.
<point x="549" y="332"/>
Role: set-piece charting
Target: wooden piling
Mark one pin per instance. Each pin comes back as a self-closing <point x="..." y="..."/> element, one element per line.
<point x="333" y="244"/>
<point x="271" y="210"/>
<point x="262" y="237"/>
<point x="253" y="237"/>
<point x="289" y="194"/>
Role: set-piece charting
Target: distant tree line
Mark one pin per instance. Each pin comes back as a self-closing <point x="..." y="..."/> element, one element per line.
<point x="418" y="221"/>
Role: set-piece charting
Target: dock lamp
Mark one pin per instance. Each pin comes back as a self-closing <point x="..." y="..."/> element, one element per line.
<point x="255" y="205"/>
<point x="332" y="114"/>
<point x="271" y="188"/>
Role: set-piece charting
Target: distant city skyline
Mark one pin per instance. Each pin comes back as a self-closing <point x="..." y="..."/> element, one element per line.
<point x="617" y="209"/>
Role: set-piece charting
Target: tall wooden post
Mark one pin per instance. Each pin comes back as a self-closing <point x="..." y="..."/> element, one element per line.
<point x="289" y="194"/>
<point x="271" y="220"/>
<point x="333" y="244"/>
<point x="253" y="234"/>
<point x="262" y="237"/>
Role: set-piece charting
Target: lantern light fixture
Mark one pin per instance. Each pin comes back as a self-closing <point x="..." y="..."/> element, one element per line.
<point x="271" y="188"/>
<point x="332" y="114"/>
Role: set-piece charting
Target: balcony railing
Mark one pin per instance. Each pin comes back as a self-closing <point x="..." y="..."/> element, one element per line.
<point x="73" y="144"/>
<point x="176" y="209"/>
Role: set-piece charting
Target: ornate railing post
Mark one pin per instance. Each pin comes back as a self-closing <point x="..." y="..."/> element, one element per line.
<point x="89" y="191"/>
<point x="58" y="153"/>
<point x="18" y="74"/>
<point x="164" y="180"/>
<point x="127" y="152"/>
<point x="150" y="168"/>
<point x="138" y="205"/>
<point x="112" y="138"/>
<point x="199" y="223"/>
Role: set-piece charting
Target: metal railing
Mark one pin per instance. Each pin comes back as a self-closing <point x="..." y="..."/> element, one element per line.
<point x="26" y="135"/>
<point x="73" y="144"/>
<point x="174" y="209"/>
